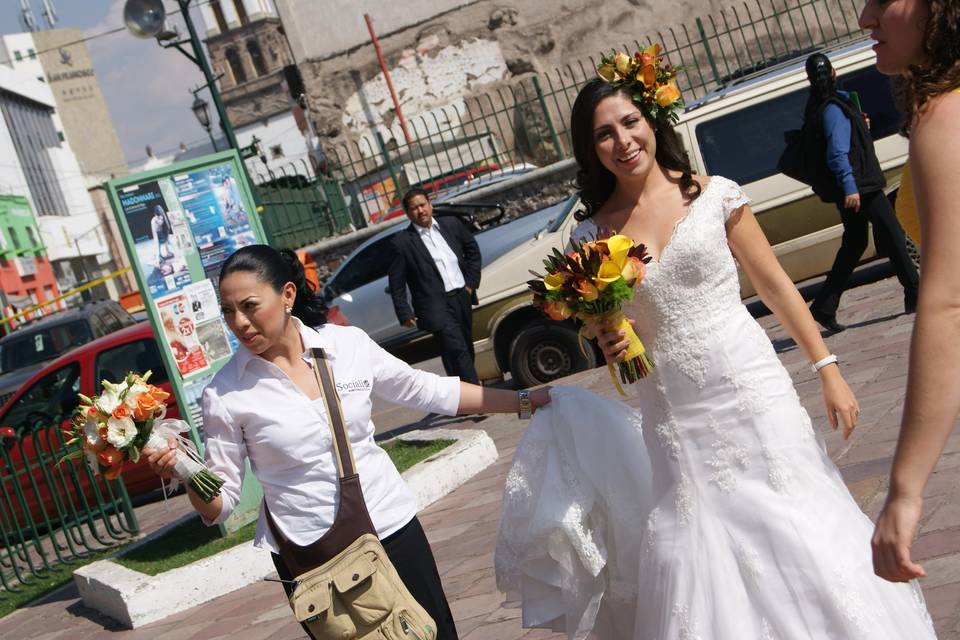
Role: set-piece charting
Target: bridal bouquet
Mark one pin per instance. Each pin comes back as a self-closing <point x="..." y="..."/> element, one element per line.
<point x="591" y="283"/>
<point x="116" y="425"/>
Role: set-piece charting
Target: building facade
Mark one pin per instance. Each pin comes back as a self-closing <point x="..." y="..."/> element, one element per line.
<point x="42" y="168"/>
<point x="248" y="50"/>
<point x="60" y="58"/>
<point x="26" y="275"/>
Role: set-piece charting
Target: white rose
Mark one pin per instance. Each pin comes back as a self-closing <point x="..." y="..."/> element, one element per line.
<point x="108" y="400"/>
<point x="91" y="431"/>
<point x="121" y="431"/>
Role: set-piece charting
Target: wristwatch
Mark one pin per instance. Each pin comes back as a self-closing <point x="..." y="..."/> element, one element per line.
<point x="526" y="409"/>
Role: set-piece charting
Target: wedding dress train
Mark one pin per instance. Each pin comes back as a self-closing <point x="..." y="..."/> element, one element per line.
<point x="706" y="510"/>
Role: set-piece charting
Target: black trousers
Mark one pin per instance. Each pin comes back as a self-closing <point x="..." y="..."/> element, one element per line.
<point x="409" y="551"/>
<point x="455" y="338"/>
<point x="889" y="239"/>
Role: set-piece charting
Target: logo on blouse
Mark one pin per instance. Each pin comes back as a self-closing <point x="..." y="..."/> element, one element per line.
<point x="353" y="385"/>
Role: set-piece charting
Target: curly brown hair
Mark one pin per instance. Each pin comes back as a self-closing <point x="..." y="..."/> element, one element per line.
<point x="940" y="73"/>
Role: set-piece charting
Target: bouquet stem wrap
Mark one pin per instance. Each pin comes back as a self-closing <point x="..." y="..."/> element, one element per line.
<point x="189" y="466"/>
<point x="636" y="363"/>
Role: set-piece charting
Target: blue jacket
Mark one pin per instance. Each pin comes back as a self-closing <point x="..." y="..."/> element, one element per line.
<point x="837" y="130"/>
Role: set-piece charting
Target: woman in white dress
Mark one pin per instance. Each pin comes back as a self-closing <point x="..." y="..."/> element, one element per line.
<point x="753" y="533"/>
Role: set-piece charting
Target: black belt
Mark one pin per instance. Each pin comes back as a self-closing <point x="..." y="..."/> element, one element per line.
<point x="454" y="292"/>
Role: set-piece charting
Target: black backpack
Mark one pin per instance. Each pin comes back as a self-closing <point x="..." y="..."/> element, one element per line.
<point x="805" y="159"/>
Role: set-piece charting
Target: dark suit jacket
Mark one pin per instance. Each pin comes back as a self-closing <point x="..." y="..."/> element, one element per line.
<point x="413" y="267"/>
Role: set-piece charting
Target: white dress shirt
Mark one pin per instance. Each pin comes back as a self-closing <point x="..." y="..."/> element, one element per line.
<point x="443" y="256"/>
<point x="253" y="410"/>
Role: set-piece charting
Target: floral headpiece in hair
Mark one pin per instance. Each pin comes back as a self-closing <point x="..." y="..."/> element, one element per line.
<point x="652" y="83"/>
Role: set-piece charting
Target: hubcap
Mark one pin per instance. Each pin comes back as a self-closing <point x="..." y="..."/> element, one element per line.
<point x="549" y="360"/>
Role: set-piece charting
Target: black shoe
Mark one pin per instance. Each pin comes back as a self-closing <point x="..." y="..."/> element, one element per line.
<point x="828" y="322"/>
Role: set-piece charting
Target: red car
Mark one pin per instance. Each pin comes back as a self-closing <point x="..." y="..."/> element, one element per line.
<point x="45" y="402"/>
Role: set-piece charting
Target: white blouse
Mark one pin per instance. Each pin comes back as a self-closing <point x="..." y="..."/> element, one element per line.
<point x="252" y="409"/>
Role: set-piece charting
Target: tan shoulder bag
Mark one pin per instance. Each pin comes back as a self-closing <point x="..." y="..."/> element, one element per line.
<point x="345" y="585"/>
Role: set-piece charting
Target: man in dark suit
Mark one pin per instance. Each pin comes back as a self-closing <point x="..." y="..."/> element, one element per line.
<point x="440" y="263"/>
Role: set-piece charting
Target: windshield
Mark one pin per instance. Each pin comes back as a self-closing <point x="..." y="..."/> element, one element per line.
<point x="42" y="344"/>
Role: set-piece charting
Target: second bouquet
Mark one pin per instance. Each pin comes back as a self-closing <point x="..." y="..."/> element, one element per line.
<point x="127" y="417"/>
<point x="592" y="282"/>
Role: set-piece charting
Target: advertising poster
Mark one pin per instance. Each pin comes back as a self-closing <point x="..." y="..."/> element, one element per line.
<point x="180" y="333"/>
<point x="160" y="237"/>
<point x="218" y="219"/>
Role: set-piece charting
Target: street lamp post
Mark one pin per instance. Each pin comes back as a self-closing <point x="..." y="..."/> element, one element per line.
<point x="201" y="109"/>
<point x="145" y="19"/>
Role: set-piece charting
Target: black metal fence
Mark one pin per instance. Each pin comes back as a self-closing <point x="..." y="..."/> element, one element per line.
<point x="525" y="121"/>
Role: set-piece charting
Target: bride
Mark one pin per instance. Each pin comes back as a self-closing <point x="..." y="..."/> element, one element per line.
<point x="750" y="532"/>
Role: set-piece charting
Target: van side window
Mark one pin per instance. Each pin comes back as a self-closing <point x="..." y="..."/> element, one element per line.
<point x="745" y="145"/>
<point x="876" y="98"/>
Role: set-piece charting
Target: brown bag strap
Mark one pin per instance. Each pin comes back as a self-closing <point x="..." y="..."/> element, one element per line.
<point x="352" y="519"/>
<point x="343" y="452"/>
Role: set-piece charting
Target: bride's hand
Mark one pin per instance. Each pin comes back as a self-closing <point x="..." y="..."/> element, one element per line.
<point x="839" y="399"/>
<point x="611" y="341"/>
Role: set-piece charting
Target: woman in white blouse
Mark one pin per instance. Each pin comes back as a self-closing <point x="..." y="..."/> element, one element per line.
<point x="264" y="406"/>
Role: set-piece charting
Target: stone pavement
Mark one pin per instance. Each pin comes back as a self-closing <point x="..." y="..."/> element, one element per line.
<point x="462" y="527"/>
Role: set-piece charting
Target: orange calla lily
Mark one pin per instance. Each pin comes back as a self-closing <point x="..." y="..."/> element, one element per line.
<point x="647" y="75"/>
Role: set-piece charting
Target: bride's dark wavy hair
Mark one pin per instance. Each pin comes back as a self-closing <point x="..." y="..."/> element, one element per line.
<point x="595" y="181"/>
<point x="941" y="71"/>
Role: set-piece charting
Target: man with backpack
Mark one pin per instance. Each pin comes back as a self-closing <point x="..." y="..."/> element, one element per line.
<point x="848" y="174"/>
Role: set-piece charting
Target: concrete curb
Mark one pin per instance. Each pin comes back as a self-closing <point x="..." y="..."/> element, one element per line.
<point x="438" y="475"/>
<point x="135" y="599"/>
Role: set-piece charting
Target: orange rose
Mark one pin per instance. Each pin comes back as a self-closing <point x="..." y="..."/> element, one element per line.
<point x="121" y="411"/>
<point x="110" y="456"/>
<point x="557" y="310"/>
<point x="650" y="54"/>
<point x="587" y="290"/>
<point x="647" y="75"/>
<point x="667" y="94"/>
<point x="158" y="394"/>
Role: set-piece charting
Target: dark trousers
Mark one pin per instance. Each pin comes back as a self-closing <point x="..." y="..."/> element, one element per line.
<point x="889" y="239"/>
<point x="409" y="551"/>
<point x="455" y="338"/>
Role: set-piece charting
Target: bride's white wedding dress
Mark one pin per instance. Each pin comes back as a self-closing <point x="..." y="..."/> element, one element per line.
<point x="738" y="528"/>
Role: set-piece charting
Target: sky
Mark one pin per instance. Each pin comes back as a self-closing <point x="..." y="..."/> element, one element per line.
<point x="146" y="86"/>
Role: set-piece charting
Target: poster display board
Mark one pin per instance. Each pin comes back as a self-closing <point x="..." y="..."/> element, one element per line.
<point x="179" y="224"/>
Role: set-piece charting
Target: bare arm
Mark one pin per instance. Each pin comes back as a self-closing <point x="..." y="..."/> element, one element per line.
<point x="477" y="399"/>
<point x="933" y="397"/>
<point x="751" y="248"/>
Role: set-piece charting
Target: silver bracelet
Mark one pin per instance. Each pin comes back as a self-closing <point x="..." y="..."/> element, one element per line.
<point x="820" y="364"/>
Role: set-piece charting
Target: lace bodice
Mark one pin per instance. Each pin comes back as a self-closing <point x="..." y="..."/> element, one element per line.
<point x="687" y="296"/>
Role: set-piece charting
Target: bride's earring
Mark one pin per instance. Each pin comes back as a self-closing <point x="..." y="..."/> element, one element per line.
<point x="288" y="310"/>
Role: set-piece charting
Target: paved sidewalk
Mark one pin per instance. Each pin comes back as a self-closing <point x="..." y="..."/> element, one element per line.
<point x="462" y="527"/>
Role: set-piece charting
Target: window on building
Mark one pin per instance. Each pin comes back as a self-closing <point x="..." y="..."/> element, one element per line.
<point x="32" y="54"/>
<point x="18" y="55"/>
<point x="33" y="237"/>
<point x="276" y="151"/>
<point x="236" y="66"/>
<point x="14" y="238"/>
<point x="241" y="11"/>
<point x="218" y="16"/>
<point x="256" y="57"/>
<point x="61" y="137"/>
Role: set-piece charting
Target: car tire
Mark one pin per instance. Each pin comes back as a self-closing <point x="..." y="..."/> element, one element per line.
<point x="543" y="352"/>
